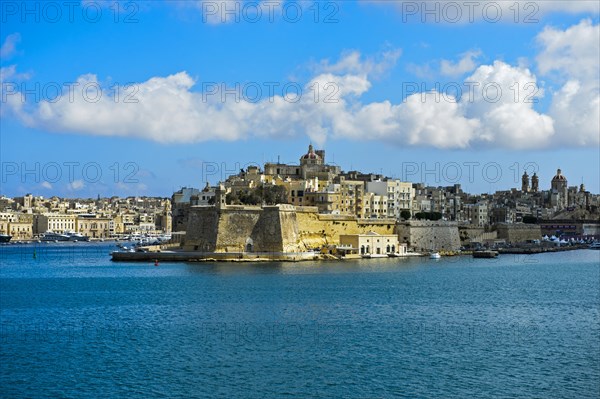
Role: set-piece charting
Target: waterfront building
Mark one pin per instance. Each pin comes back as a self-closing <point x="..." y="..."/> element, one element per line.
<point x="95" y="227"/>
<point x="372" y="243"/>
<point x="3" y="226"/>
<point x="56" y="222"/>
<point x="20" y="230"/>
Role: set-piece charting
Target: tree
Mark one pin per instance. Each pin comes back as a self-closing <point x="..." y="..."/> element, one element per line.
<point x="405" y="215"/>
<point x="529" y="219"/>
<point x="428" y="215"/>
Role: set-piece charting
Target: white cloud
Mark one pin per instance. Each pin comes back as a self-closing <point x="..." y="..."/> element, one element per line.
<point x="504" y="99"/>
<point x="75" y="185"/>
<point x="46" y="185"/>
<point x="9" y="47"/>
<point x="168" y="111"/>
<point x="10" y="74"/>
<point x="464" y="65"/>
<point x="171" y="110"/>
<point x="352" y="63"/>
<point x="574" y="55"/>
<point x="574" y="52"/>
<point x="576" y="110"/>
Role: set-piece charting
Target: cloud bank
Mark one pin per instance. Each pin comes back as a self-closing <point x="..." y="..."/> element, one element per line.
<point x="498" y="111"/>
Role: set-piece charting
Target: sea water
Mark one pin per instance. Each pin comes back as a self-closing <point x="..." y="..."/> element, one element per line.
<point x="74" y="324"/>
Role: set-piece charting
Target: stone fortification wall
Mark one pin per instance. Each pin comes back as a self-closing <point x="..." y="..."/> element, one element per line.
<point x="515" y="233"/>
<point x="316" y="230"/>
<point x="280" y="228"/>
<point x="242" y="229"/>
<point x="429" y="236"/>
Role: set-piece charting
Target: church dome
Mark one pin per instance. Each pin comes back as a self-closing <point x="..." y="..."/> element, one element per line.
<point x="311" y="154"/>
<point x="559" y="176"/>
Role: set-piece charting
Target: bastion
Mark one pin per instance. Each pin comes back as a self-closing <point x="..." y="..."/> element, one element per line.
<point x="278" y="228"/>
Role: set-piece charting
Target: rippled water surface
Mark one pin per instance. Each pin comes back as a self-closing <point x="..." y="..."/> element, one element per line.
<point x="73" y="324"/>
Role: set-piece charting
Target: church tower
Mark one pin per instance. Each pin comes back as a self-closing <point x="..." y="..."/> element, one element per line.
<point x="525" y="183"/>
<point x="168" y="217"/>
<point x="535" y="183"/>
<point x="559" y="190"/>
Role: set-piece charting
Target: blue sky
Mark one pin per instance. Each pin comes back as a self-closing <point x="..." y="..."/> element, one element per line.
<point x="369" y="60"/>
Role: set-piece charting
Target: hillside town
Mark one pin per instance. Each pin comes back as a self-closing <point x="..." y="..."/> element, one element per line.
<point x="312" y="183"/>
<point x="559" y="209"/>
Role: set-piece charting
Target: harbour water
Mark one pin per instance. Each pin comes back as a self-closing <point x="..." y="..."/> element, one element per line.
<point x="75" y="325"/>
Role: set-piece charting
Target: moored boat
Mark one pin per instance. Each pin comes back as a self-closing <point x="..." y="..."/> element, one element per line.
<point x="54" y="237"/>
<point x="4" y="238"/>
<point x="371" y="256"/>
<point x="76" y="236"/>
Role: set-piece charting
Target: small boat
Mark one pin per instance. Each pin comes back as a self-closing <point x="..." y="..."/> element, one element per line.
<point x="435" y="255"/>
<point x="595" y="245"/>
<point x="394" y="255"/>
<point x="485" y="254"/>
<point x="5" y="238"/>
<point x="371" y="256"/>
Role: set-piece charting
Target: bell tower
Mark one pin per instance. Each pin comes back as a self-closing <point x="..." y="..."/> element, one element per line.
<point x="525" y="183"/>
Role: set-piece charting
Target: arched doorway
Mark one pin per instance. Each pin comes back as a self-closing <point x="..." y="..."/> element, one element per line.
<point x="249" y="245"/>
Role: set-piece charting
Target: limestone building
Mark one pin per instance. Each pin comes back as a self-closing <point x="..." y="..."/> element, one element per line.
<point x="559" y="191"/>
<point x="373" y="243"/>
<point x="312" y="164"/>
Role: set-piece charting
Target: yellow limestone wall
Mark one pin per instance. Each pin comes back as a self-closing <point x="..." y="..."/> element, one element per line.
<point x="278" y="228"/>
<point x="316" y="230"/>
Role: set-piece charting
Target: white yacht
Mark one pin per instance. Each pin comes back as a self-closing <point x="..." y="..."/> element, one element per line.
<point x="54" y="237"/>
<point x="76" y="236"/>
